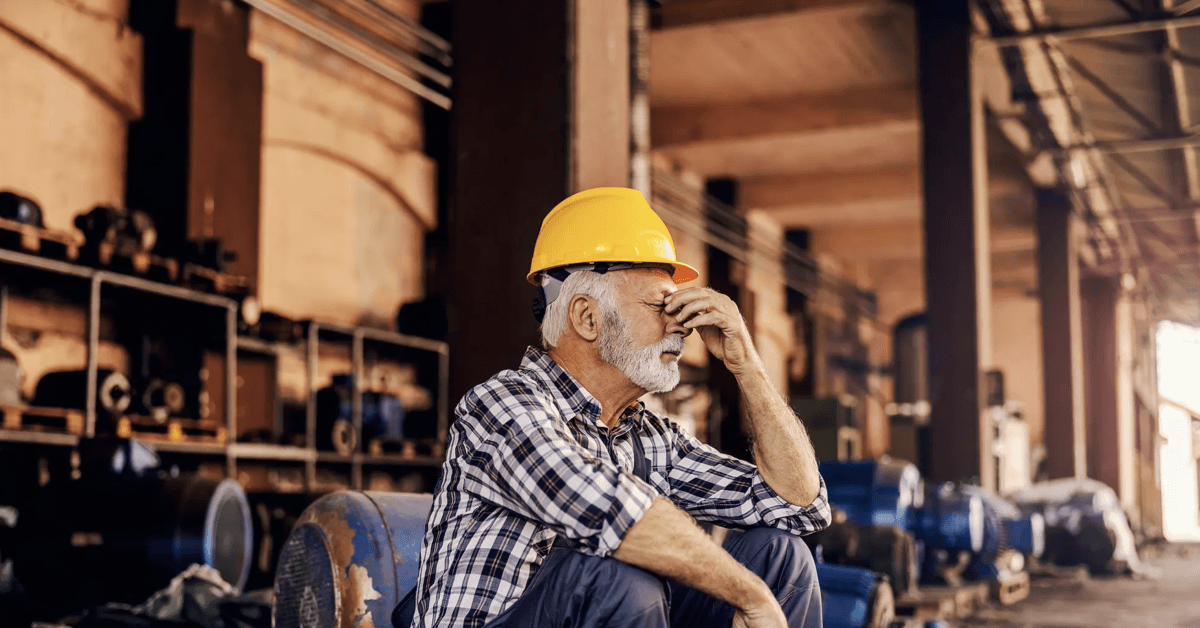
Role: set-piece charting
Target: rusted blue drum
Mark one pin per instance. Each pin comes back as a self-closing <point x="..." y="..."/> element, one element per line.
<point x="351" y="558"/>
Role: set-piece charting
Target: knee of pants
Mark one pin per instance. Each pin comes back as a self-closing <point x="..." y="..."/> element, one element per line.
<point x="770" y="546"/>
<point x="630" y="589"/>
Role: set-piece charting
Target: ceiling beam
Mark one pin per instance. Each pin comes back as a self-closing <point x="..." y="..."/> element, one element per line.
<point x="831" y="188"/>
<point x="678" y="13"/>
<point x="1112" y="29"/>
<point x="848" y="187"/>
<point x="675" y="126"/>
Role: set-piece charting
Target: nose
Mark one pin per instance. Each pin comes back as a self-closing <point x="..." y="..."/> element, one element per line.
<point x="673" y="327"/>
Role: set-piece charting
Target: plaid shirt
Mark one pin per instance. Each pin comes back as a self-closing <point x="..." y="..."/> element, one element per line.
<point x="528" y="459"/>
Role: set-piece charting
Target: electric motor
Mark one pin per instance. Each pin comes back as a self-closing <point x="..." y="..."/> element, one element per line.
<point x="350" y="560"/>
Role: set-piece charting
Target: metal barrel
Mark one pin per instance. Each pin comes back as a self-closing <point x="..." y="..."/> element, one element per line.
<point x="351" y="558"/>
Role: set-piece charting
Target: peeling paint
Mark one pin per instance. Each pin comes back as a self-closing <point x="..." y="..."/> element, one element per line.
<point x="338" y="533"/>
<point x="357" y="588"/>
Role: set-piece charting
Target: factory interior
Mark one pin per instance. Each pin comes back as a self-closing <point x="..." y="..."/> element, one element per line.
<point x="253" y="252"/>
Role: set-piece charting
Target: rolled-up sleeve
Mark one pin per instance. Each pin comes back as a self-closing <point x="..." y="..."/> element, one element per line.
<point x="528" y="463"/>
<point x="714" y="487"/>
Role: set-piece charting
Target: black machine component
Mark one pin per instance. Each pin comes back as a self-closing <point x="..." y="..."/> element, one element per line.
<point x="127" y="231"/>
<point x="68" y="389"/>
<point x="124" y="529"/>
<point x="20" y="209"/>
<point x="209" y="253"/>
<point x="162" y="399"/>
<point x="426" y="318"/>
<point x="888" y="550"/>
<point x="382" y="416"/>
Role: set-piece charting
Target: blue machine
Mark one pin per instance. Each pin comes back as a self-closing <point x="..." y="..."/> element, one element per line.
<point x="944" y="520"/>
<point x="891" y="492"/>
<point x="382" y="416"/>
<point x="875" y="492"/>
<point x="351" y="558"/>
<point x="849" y="596"/>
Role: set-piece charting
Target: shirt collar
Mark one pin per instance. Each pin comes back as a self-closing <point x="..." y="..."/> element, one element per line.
<point x="571" y="398"/>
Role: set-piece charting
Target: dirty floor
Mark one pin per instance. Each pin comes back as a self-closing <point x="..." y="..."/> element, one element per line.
<point x="1169" y="600"/>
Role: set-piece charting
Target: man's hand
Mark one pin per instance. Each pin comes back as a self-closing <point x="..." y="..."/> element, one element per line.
<point x="765" y="615"/>
<point x="719" y="322"/>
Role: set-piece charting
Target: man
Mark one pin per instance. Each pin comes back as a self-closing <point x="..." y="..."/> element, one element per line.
<point x="564" y="502"/>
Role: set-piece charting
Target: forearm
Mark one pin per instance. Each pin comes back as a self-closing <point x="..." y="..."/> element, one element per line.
<point x="782" y="450"/>
<point x="666" y="541"/>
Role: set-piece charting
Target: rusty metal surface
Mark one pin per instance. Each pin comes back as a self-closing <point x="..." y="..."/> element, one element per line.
<point x="373" y="541"/>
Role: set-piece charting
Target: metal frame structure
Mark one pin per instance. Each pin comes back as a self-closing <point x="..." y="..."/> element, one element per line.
<point x="1169" y="130"/>
<point x="231" y="451"/>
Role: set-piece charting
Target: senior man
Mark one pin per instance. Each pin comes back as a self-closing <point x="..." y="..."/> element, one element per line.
<point x="564" y="502"/>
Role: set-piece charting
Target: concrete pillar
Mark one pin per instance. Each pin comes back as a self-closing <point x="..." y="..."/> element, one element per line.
<point x="541" y="110"/>
<point x="1062" y="336"/>
<point x="1126" y="406"/>
<point x="957" y="264"/>
<point x="1099" y="297"/>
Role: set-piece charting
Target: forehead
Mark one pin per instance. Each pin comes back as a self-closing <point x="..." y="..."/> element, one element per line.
<point x="646" y="283"/>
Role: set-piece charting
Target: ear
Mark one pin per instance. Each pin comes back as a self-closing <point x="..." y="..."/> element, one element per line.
<point x="583" y="315"/>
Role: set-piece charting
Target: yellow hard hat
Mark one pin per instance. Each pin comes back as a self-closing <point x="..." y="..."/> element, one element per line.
<point x="605" y="225"/>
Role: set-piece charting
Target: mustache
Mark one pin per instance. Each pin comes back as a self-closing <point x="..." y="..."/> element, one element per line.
<point x="670" y="344"/>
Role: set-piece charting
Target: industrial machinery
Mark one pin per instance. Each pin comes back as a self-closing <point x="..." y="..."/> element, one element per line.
<point x="68" y="389"/>
<point x="125" y="528"/>
<point x="954" y="527"/>
<point x="942" y="522"/>
<point x="20" y="209"/>
<point x="117" y="230"/>
<point x="855" y="597"/>
<point x="1009" y="537"/>
<point x="909" y="414"/>
<point x="382" y="416"/>
<point x="350" y="560"/>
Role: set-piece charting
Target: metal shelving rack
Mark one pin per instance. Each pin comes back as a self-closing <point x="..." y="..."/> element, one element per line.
<point x="231" y="450"/>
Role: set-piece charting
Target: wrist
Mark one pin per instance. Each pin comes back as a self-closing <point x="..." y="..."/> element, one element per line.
<point x="753" y="593"/>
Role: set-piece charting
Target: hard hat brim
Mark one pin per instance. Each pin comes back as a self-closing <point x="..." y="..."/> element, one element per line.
<point x="683" y="272"/>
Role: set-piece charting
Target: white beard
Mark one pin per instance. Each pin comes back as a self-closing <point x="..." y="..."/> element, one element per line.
<point x="642" y="365"/>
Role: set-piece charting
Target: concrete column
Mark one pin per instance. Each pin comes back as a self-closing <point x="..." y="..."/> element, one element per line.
<point x="541" y="110"/>
<point x="957" y="264"/>
<point x="1126" y="406"/>
<point x="1099" y="299"/>
<point x="1062" y="336"/>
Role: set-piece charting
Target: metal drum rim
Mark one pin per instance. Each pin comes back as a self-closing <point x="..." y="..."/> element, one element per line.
<point x="225" y="488"/>
<point x="335" y="583"/>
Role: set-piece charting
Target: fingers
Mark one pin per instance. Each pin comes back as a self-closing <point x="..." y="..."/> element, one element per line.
<point x="715" y="319"/>
<point x="691" y="309"/>
<point x="687" y="295"/>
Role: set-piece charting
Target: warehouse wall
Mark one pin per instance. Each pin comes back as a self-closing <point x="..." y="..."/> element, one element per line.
<point x="347" y="194"/>
<point x="1017" y="350"/>
<point x="70" y="81"/>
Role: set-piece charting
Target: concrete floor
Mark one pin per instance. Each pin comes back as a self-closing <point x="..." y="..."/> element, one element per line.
<point x="1170" y="599"/>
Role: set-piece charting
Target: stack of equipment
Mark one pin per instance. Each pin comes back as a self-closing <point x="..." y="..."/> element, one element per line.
<point x="127" y="515"/>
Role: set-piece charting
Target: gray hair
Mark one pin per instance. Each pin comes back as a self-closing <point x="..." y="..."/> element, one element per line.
<point x="596" y="285"/>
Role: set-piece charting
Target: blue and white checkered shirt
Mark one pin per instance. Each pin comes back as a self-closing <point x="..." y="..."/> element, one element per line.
<point x="528" y="459"/>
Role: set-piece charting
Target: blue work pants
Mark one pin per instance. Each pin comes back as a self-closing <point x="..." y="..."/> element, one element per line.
<point x="580" y="591"/>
